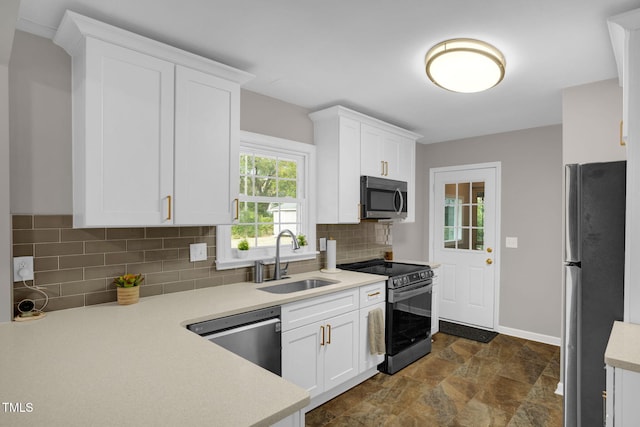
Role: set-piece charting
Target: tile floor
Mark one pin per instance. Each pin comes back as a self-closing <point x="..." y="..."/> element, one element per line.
<point x="507" y="382"/>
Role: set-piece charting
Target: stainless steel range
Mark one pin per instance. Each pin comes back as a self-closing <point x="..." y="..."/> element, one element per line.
<point x="408" y="312"/>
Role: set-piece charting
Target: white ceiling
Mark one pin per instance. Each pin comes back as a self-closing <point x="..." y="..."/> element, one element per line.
<point x="369" y="54"/>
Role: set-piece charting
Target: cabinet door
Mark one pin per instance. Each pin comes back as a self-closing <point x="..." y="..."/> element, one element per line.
<point x="123" y="157"/>
<point x="368" y="360"/>
<point x="302" y="356"/>
<point x="341" y="349"/>
<point x="349" y="175"/>
<point x="206" y="148"/>
<point x="371" y="142"/>
<point x="391" y="156"/>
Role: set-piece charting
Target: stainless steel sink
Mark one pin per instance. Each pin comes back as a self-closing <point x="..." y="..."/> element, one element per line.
<point x="300" y="285"/>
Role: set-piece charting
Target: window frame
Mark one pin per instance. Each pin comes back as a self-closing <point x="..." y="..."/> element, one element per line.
<point x="226" y="255"/>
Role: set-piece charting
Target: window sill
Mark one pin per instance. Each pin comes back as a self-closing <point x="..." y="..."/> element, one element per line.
<point x="229" y="263"/>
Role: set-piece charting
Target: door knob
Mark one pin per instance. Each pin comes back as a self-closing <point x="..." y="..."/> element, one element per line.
<point x="489" y="250"/>
<point x="489" y="261"/>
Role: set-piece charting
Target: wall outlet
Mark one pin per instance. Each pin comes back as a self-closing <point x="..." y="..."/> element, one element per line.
<point x="323" y="244"/>
<point x="22" y="268"/>
<point x="198" y="252"/>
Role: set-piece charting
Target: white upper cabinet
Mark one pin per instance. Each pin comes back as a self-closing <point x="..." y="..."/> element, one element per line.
<point x="124" y="172"/>
<point x="155" y="130"/>
<point x="349" y="145"/>
<point x="206" y="162"/>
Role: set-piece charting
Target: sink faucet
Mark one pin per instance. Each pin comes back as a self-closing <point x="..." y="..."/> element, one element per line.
<point x="277" y="272"/>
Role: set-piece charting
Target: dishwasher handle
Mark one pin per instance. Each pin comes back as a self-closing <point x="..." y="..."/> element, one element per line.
<point x="235" y="330"/>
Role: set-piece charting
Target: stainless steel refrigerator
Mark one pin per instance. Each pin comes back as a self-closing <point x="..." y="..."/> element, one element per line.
<point x="594" y="283"/>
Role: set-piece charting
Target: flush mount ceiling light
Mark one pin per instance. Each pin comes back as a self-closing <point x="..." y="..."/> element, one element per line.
<point x="465" y="65"/>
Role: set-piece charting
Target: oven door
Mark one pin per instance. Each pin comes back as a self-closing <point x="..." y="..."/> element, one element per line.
<point x="408" y="316"/>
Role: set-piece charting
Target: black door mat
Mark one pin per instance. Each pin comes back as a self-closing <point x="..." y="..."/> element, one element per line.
<point x="467" y="332"/>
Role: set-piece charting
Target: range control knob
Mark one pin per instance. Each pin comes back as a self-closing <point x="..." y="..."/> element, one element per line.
<point x="423" y="275"/>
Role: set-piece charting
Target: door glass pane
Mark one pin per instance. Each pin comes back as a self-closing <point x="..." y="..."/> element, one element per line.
<point x="449" y="238"/>
<point x="464" y="216"/>
<point x="464" y="192"/>
<point x="478" y="192"/>
<point x="450" y="191"/>
<point x="464" y="241"/>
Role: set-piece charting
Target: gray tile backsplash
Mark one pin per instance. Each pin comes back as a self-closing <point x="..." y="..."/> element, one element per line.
<point x="77" y="266"/>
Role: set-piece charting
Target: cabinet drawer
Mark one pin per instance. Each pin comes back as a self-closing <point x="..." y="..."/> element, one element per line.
<point x="372" y="294"/>
<point x="316" y="309"/>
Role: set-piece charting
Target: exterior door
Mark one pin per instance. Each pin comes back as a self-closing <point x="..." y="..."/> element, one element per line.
<point x="464" y="239"/>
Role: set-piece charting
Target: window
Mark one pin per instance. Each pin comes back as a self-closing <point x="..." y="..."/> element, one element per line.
<point x="275" y="178"/>
<point x="464" y="216"/>
<point x="268" y="201"/>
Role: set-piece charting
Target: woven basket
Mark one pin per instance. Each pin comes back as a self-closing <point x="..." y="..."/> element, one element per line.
<point x="128" y="296"/>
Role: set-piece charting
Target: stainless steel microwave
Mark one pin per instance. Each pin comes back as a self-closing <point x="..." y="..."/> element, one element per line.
<point x="382" y="198"/>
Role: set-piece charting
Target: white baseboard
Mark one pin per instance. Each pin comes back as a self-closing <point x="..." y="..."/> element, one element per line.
<point x="532" y="336"/>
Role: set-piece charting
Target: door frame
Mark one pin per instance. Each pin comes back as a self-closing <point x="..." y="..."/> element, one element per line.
<point x="497" y="255"/>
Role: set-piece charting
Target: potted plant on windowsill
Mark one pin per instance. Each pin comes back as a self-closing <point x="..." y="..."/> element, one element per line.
<point x="302" y="241"/>
<point x="243" y="248"/>
<point x="128" y="288"/>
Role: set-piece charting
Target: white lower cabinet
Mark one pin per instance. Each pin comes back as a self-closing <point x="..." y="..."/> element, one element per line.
<point x="320" y="354"/>
<point x="324" y="341"/>
<point x="623" y="389"/>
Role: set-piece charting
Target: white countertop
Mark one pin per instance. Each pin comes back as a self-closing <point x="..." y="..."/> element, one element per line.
<point x="138" y="364"/>
<point x="623" y="348"/>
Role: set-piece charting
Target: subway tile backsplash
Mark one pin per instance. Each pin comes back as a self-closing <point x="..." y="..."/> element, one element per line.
<point x="76" y="266"/>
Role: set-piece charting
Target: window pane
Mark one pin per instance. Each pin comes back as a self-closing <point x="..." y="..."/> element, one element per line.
<point x="478" y="216"/>
<point x="465" y="216"/>
<point x="478" y="239"/>
<point x="464" y="242"/>
<point x="287" y="169"/>
<point x="246" y="186"/>
<point x="265" y="187"/>
<point x="449" y="238"/>
<point x="450" y="192"/>
<point x="242" y="231"/>
<point x="478" y="192"/>
<point x="265" y="166"/>
<point x="247" y="212"/>
<point x="464" y="192"/>
<point x="246" y="164"/>
<point x="449" y="216"/>
<point x="287" y="189"/>
<point x="266" y="212"/>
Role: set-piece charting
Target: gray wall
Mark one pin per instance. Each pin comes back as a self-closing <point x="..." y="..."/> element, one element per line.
<point x="8" y="17"/>
<point x="40" y="126"/>
<point x="531" y="285"/>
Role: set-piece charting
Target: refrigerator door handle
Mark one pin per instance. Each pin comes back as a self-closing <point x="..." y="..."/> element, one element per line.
<point x="571" y="343"/>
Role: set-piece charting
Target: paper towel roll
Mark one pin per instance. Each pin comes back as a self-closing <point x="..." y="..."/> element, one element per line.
<point x="331" y="255"/>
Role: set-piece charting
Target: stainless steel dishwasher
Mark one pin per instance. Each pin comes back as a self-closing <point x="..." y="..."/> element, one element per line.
<point x="254" y="335"/>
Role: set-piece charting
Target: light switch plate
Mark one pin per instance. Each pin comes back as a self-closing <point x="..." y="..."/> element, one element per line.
<point x="24" y="264"/>
<point x="198" y="252"/>
<point x="323" y="244"/>
<point x="511" y="242"/>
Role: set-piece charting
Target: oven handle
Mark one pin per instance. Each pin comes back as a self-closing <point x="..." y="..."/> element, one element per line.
<point x="401" y="295"/>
